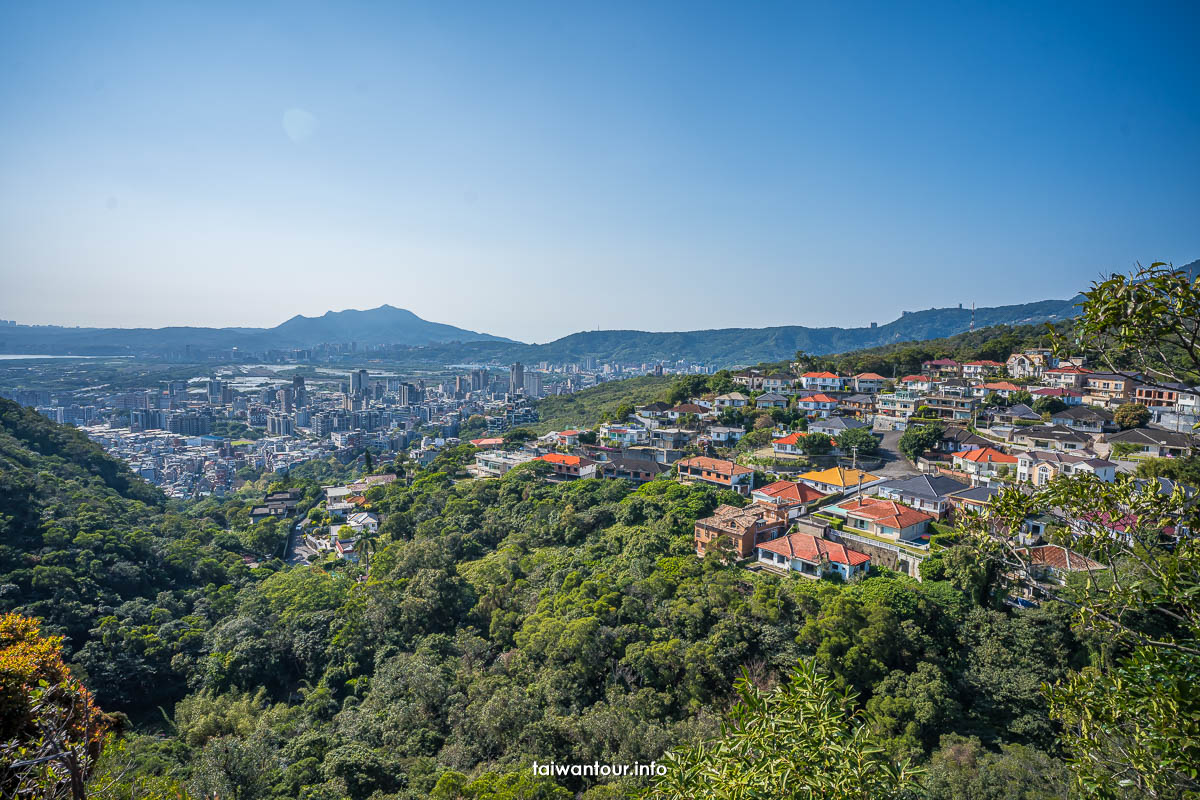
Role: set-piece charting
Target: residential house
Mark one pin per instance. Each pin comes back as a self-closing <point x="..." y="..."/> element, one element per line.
<point x="978" y="499"/>
<point x="780" y="383"/>
<point x="788" y="445"/>
<point x="671" y="438"/>
<point x="1039" y="467"/>
<point x="956" y="438"/>
<point x="950" y="407"/>
<point x="1065" y="376"/>
<point x="730" y="400"/>
<point x="1014" y="415"/>
<point x="623" y="434"/>
<point x="637" y="470"/>
<point x="860" y="405"/>
<point x="984" y="462"/>
<point x="725" y="435"/>
<point x="684" y="409"/>
<point x="771" y="400"/>
<point x="1153" y="442"/>
<point x="941" y="367"/>
<point x="1004" y="389"/>
<point x="488" y="443"/>
<point x="917" y="383"/>
<point x="718" y="472"/>
<point x="363" y="522"/>
<point x="567" y="438"/>
<point x="1050" y="437"/>
<point x="792" y="496"/>
<point x="813" y="557"/>
<point x="892" y="409"/>
<point x="832" y="426"/>
<point x="817" y="404"/>
<point x="929" y="493"/>
<point x="884" y="518"/>
<point x="1087" y="419"/>
<point x="868" y="382"/>
<point x="655" y="410"/>
<point x="1047" y="567"/>
<point x="567" y="467"/>
<point x="981" y="369"/>
<point x="495" y="463"/>
<point x="752" y="379"/>
<point x="1028" y="365"/>
<point x="739" y="530"/>
<point x="1071" y="397"/>
<point x="839" y="479"/>
<point x="1107" y="389"/>
<point x="821" y="382"/>
<point x="1160" y="395"/>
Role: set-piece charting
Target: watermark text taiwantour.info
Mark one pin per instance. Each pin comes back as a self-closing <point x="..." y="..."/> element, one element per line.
<point x="553" y="769"/>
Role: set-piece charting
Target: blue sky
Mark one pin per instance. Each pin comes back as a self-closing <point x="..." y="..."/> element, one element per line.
<point x="534" y="169"/>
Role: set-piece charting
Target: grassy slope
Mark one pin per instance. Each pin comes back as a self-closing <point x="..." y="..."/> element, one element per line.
<point x="584" y="409"/>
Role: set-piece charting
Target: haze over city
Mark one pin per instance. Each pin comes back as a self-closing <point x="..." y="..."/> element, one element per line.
<point x="530" y="170"/>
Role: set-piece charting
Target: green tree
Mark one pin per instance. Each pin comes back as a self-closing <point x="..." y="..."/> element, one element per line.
<point x="1131" y="415"/>
<point x="919" y="438"/>
<point x="803" y="739"/>
<point x="1048" y="405"/>
<point x="860" y="438"/>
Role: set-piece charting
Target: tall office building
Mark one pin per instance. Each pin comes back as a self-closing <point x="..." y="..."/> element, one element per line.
<point x="359" y="381"/>
<point x="284" y="398"/>
<point x="533" y="384"/>
<point x="299" y="391"/>
<point x="516" y="378"/>
<point x="478" y="380"/>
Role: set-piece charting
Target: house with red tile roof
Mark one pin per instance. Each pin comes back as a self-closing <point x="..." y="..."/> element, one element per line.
<point x="817" y="404"/>
<point x="489" y="442"/>
<point x="821" y="381"/>
<point x="717" y="472"/>
<point x="868" y="382"/>
<point x="885" y="518"/>
<point x="788" y="445"/>
<point x="917" y="383"/>
<point x="790" y="495"/>
<point x="1002" y="388"/>
<point x="569" y="467"/>
<point x="984" y="462"/>
<point x="813" y="557"/>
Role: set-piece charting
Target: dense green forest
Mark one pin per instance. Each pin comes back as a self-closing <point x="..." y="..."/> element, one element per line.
<point x="502" y="622"/>
<point x="591" y="406"/>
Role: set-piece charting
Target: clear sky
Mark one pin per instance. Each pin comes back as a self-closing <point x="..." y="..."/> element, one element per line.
<point x="534" y="169"/>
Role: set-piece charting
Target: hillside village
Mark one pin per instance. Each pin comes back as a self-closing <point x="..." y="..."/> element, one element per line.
<point x="836" y="473"/>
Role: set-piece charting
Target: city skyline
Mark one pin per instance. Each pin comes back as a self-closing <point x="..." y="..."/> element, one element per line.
<point x="526" y="171"/>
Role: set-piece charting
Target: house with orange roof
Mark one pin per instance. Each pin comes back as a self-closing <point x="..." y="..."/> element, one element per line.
<point x="567" y="438"/>
<point x="813" y="557"/>
<point x="839" y="479"/>
<point x="984" y="462"/>
<point x="868" y="382"/>
<point x="489" y="442"/>
<point x="790" y="495"/>
<point x="788" y="445"/>
<point x="717" y="472"/>
<point x="817" y="404"/>
<point x="886" y="518"/>
<point x="569" y="467"/>
<point x="1065" y="376"/>
<point x="821" y="381"/>
<point x="1002" y="388"/>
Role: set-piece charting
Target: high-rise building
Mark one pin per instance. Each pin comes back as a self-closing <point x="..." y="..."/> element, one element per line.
<point x="516" y="378"/>
<point x="284" y="398"/>
<point x="533" y="384"/>
<point x="478" y="380"/>
<point x="299" y="391"/>
<point x="359" y="381"/>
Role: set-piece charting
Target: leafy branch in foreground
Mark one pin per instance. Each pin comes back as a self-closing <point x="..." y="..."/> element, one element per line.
<point x="805" y="739"/>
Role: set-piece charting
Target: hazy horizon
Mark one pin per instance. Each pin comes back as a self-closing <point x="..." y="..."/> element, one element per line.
<point x="531" y="170"/>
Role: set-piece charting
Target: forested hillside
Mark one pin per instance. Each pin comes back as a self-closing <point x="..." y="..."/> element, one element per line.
<point x="505" y="622"/>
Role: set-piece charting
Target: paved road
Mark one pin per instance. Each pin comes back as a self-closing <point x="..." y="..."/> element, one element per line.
<point x="895" y="465"/>
<point x="298" y="551"/>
